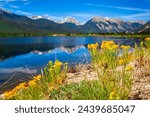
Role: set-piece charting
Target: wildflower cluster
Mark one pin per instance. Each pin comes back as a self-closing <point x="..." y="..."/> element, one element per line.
<point x="113" y="96"/>
<point x="34" y="81"/>
<point x="12" y="93"/>
<point x="54" y="74"/>
<point x="129" y="68"/>
<point x="125" y="47"/>
<point x="22" y="86"/>
<point x="57" y="64"/>
<point x="147" y="39"/>
<point x="147" y="43"/>
<point x="121" y="62"/>
<point x="107" y="62"/>
<point x="125" y="58"/>
<point x="110" y="45"/>
<point x="93" y="46"/>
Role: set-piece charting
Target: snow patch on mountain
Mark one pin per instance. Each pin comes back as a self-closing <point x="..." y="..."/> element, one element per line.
<point x="105" y="19"/>
<point x="69" y="20"/>
<point x="39" y="17"/>
<point x="4" y="11"/>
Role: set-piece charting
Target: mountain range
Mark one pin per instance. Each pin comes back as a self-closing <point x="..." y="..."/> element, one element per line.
<point x="11" y="23"/>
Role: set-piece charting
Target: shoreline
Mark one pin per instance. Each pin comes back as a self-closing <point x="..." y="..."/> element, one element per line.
<point x="140" y="87"/>
<point x="79" y="35"/>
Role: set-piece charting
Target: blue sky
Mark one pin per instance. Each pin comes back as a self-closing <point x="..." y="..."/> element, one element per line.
<point x="82" y="10"/>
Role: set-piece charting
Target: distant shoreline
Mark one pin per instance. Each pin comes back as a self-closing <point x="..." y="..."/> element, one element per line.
<point x="55" y="35"/>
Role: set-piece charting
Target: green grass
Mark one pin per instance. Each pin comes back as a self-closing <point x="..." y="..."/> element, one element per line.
<point x="86" y="90"/>
<point x="5" y="28"/>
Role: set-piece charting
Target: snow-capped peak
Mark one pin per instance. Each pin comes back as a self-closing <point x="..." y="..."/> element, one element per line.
<point x="70" y="20"/>
<point x="105" y="19"/>
<point x="97" y="19"/>
<point x="39" y="17"/>
<point x="35" y="17"/>
<point x="4" y="10"/>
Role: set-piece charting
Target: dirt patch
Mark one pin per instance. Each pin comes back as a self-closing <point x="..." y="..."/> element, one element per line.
<point x="82" y="72"/>
<point x="141" y="82"/>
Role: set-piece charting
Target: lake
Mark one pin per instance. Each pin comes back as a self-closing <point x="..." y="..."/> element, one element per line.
<point x="23" y="57"/>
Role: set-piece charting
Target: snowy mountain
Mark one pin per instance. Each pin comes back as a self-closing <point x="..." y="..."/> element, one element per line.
<point x="69" y="20"/>
<point x="66" y="20"/>
<point x="110" y="25"/>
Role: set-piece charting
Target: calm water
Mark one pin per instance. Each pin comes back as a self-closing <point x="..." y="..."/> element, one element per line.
<point x="22" y="57"/>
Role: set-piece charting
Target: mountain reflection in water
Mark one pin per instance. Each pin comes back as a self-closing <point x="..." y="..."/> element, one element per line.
<point x="22" y="67"/>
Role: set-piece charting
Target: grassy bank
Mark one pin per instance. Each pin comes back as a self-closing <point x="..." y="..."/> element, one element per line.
<point x="113" y="77"/>
<point x="21" y="34"/>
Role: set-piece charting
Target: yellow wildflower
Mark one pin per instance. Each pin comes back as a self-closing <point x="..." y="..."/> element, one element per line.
<point x="125" y="47"/>
<point x="118" y="98"/>
<point x="115" y="46"/>
<point x="51" y="87"/>
<point x="12" y="93"/>
<point x="147" y="39"/>
<point x="9" y="94"/>
<point x="38" y="77"/>
<point x="93" y="46"/>
<point x="121" y="62"/>
<point x="57" y="64"/>
<point x="32" y="83"/>
<point x="60" y="80"/>
<point x="111" y="96"/>
<point x="129" y="68"/>
<point x="22" y="85"/>
<point x="109" y="45"/>
<point x="111" y="42"/>
<point x="130" y="57"/>
<point x="19" y="87"/>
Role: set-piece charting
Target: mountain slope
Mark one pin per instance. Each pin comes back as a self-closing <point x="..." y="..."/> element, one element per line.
<point x="107" y="25"/>
<point x="27" y="25"/>
<point x="145" y="28"/>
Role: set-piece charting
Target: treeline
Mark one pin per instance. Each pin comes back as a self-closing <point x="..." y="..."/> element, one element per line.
<point x="79" y="34"/>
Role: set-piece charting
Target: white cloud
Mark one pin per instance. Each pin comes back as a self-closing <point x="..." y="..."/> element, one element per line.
<point x="13" y="6"/>
<point x="135" y="16"/>
<point x="118" y="7"/>
<point x="3" y="2"/>
<point x="26" y="3"/>
<point x="23" y="12"/>
<point x="8" y="0"/>
<point x="13" y="0"/>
